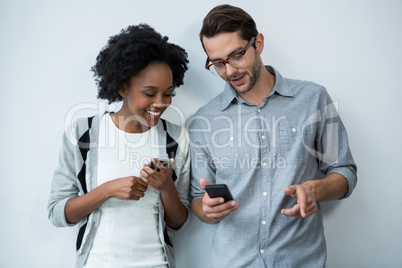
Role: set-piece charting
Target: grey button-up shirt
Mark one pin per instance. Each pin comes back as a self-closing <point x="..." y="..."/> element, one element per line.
<point x="295" y="135"/>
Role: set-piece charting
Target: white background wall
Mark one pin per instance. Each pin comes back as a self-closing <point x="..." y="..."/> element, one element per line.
<point x="351" y="47"/>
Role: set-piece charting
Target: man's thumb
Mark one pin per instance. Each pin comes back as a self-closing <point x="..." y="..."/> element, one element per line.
<point x="204" y="182"/>
<point x="290" y="190"/>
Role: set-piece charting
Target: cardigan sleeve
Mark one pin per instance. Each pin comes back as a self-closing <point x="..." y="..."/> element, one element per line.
<point x="64" y="184"/>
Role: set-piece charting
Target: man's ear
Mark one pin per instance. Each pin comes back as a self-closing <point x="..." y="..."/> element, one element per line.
<point x="259" y="43"/>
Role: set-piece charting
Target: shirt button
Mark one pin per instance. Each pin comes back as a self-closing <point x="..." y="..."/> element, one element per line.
<point x="262" y="251"/>
<point x="263" y="137"/>
<point x="259" y="110"/>
<point x="264" y="164"/>
<point x="293" y="130"/>
<point x="264" y="222"/>
<point x="231" y="138"/>
<point x="264" y="193"/>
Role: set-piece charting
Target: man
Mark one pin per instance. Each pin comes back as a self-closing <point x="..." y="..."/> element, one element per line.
<point x="277" y="143"/>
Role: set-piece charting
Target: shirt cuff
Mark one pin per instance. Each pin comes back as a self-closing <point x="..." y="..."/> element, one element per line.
<point x="59" y="215"/>
<point x="350" y="176"/>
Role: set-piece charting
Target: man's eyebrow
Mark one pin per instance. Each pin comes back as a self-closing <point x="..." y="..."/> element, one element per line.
<point x="236" y="50"/>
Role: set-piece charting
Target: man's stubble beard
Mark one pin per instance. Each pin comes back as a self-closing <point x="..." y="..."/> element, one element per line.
<point x="254" y="75"/>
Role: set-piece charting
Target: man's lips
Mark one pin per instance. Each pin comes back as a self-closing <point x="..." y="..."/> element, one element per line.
<point x="238" y="80"/>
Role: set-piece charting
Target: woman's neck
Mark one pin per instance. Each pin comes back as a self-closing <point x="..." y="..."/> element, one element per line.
<point x="127" y="123"/>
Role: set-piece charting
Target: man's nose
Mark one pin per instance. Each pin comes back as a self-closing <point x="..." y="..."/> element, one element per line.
<point x="230" y="69"/>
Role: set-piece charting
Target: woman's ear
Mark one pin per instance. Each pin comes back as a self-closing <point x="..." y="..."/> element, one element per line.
<point x="123" y="91"/>
<point x="259" y="43"/>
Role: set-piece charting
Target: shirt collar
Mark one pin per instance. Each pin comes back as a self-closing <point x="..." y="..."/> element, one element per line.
<point x="228" y="96"/>
<point x="280" y="87"/>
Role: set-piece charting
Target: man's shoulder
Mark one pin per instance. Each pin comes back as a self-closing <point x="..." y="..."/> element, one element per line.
<point x="296" y="84"/>
<point x="206" y="113"/>
<point x="212" y="107"/>
<point x="307" y="91"/>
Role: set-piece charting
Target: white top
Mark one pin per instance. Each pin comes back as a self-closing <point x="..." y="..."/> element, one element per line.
<point x="127" y="235"/>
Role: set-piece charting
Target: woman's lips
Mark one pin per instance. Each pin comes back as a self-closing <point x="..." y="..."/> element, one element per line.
<point x="154" y="113"/>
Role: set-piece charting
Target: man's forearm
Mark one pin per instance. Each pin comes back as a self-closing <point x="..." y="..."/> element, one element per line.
<point x="197" y="209"/>
<point x="332" y="187"/>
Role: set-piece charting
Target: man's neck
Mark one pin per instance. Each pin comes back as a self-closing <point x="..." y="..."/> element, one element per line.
<point x="261" y="89"/>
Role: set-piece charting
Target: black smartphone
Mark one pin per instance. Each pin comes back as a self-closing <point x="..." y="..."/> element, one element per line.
<point x="219" y="190"/>
<point x="165" y="163"/>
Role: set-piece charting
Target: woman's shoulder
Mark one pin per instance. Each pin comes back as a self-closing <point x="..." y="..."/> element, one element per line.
<point x="177" y="132"/>
<point x="173" y="128"/>
<point x="78" y="127"/>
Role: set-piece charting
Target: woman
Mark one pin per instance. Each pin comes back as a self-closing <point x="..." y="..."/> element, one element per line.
<point x="105" y="181"/>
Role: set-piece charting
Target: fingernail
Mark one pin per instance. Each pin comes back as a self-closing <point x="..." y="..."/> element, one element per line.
<point x="221" y="200"/>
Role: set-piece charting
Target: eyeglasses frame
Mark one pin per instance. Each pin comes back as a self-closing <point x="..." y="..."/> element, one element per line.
<point x="249" y="44"/>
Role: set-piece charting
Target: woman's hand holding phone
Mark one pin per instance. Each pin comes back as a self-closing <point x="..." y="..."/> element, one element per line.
<point x="158" y="174"/>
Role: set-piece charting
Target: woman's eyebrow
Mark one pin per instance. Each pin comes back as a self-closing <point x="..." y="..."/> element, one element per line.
<point x="153" y="87"/>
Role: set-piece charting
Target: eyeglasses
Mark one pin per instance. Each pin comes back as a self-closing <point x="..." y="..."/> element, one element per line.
<point x="236" y="60"/>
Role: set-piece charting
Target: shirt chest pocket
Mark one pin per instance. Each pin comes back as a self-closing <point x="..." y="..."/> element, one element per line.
<point x="287" y="141"/>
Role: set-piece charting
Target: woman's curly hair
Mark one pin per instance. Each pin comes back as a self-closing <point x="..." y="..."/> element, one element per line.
<point x="128" y="53"/>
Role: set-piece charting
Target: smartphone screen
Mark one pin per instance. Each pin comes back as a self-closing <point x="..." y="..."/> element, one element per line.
<point x="219" y="190"/>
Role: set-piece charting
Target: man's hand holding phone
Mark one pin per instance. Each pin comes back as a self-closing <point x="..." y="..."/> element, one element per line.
<point x="215" y="208"/>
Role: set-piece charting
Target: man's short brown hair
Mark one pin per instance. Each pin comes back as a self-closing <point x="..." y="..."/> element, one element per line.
<point x="228" y="19"/>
